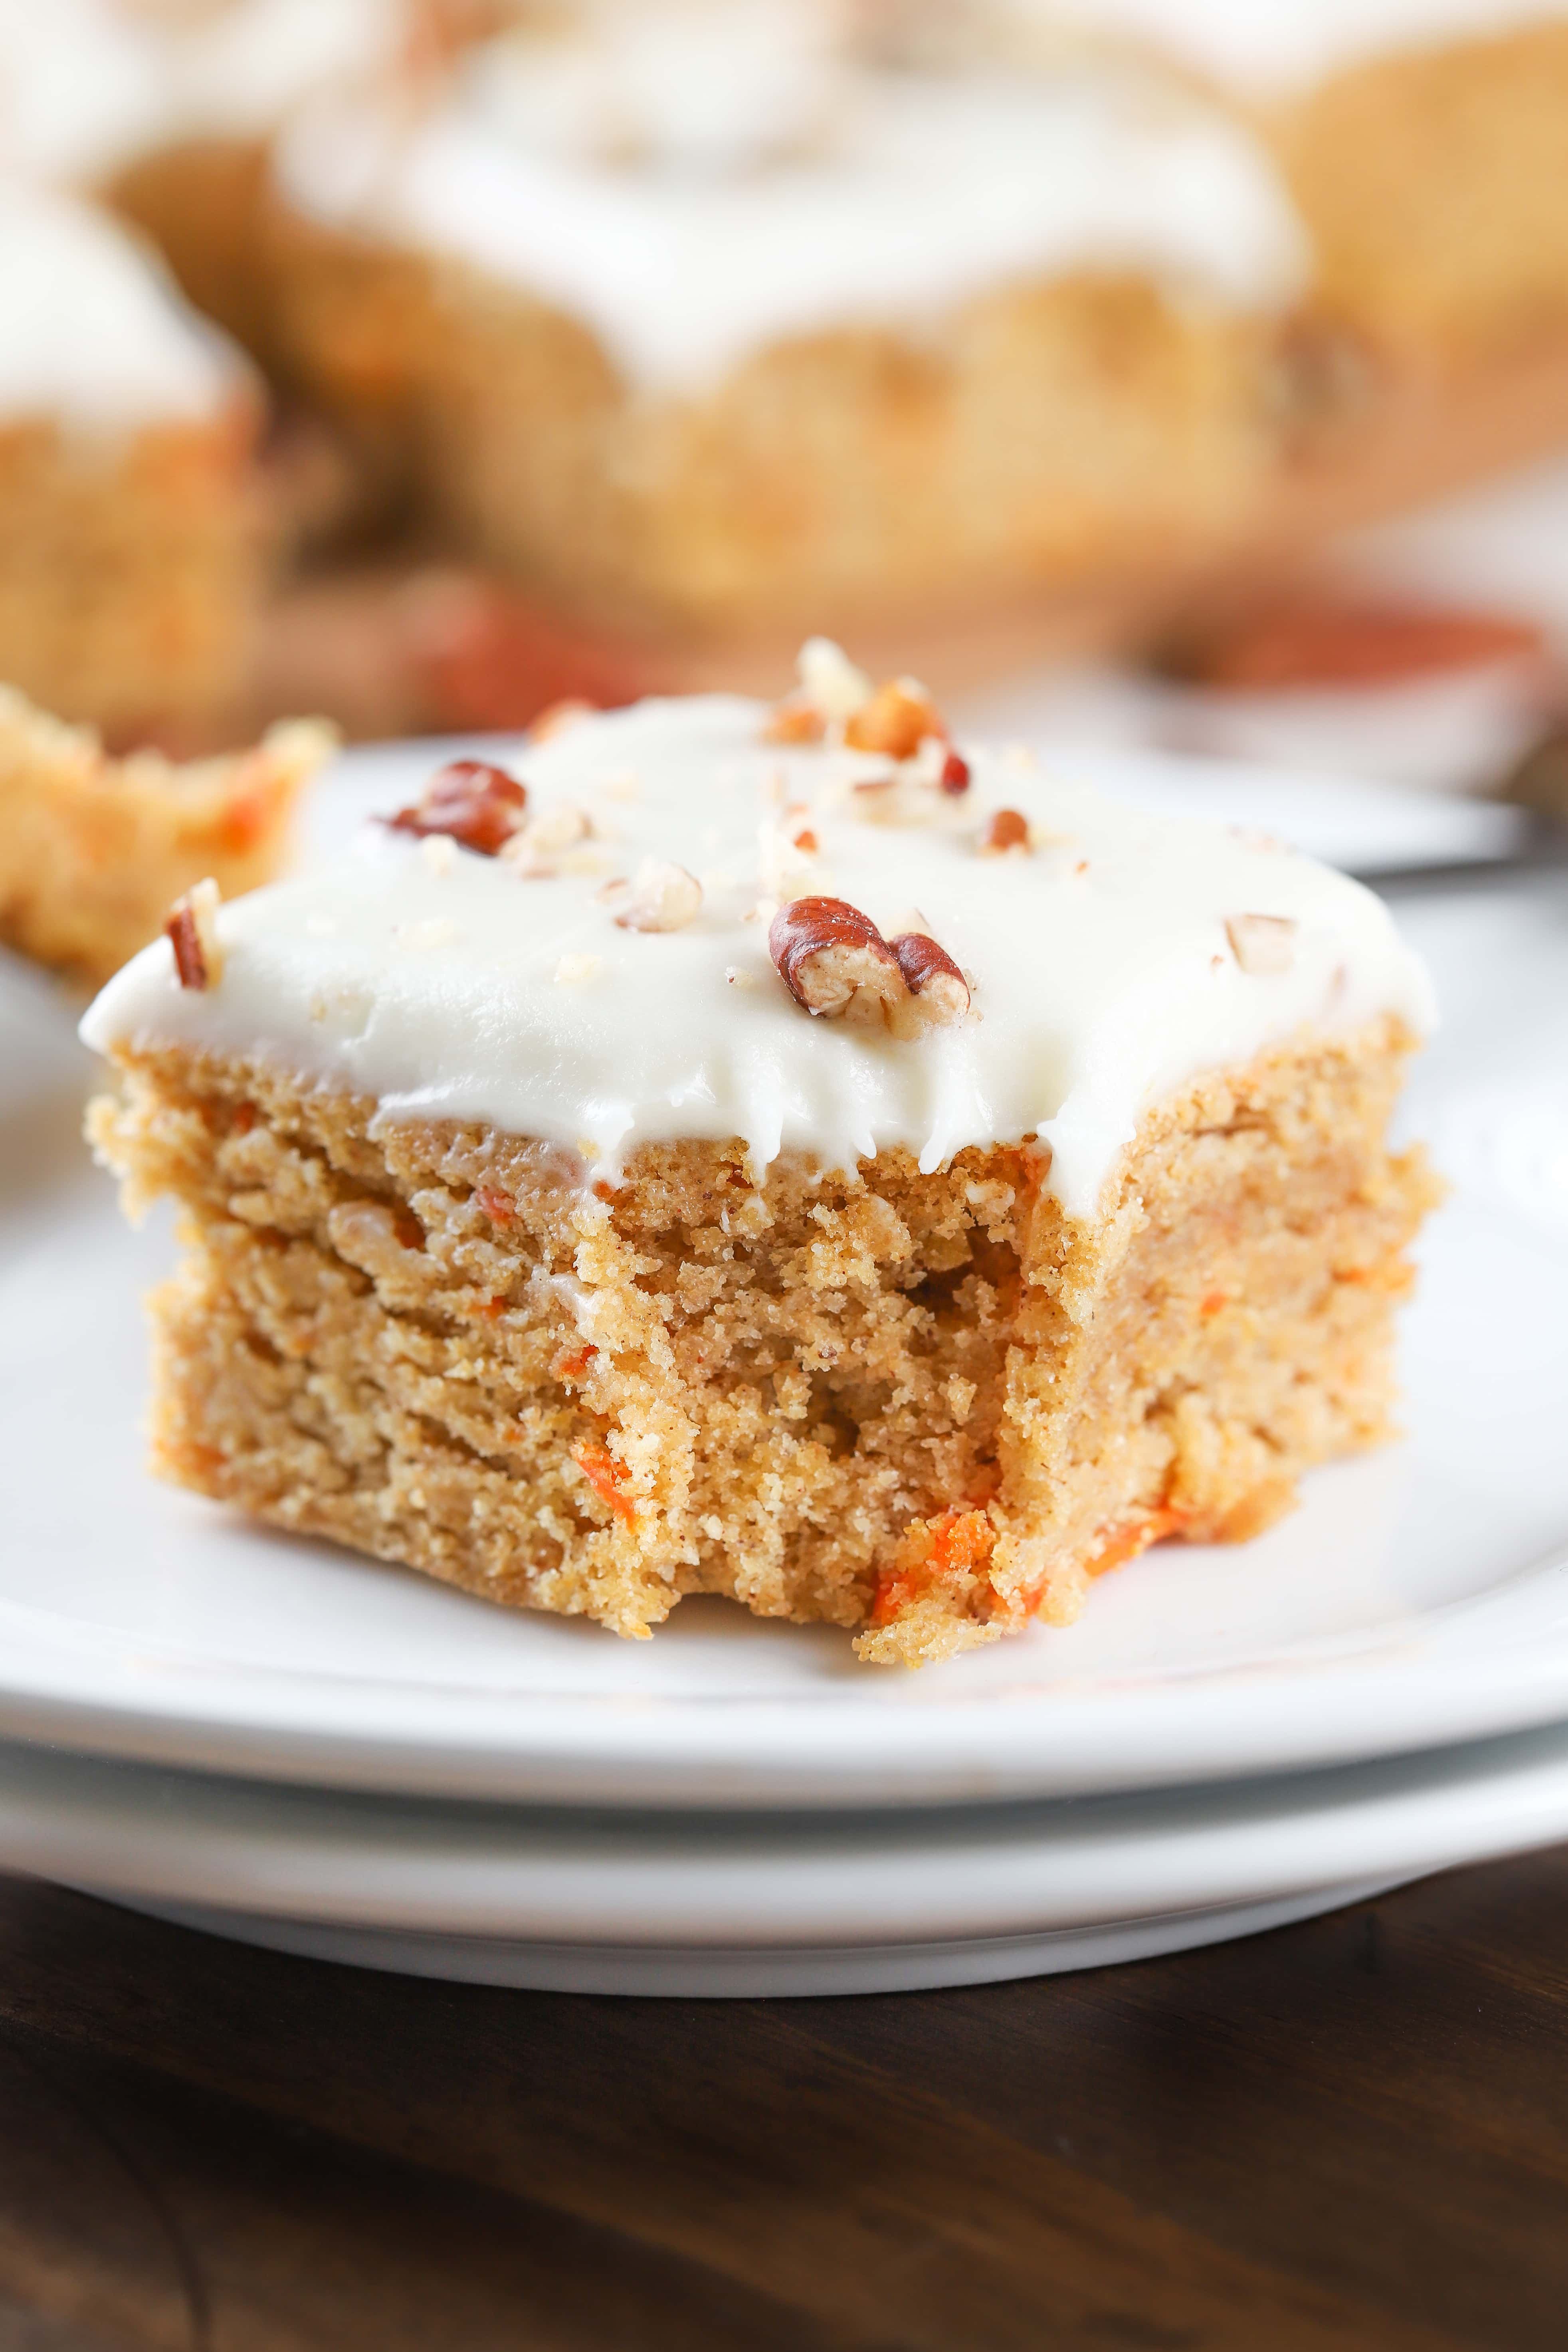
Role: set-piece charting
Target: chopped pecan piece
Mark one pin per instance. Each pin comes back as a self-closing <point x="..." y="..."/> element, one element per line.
<point x="794" y="720"/>
<point x="533" y="848"/>
<point x="1008" y="830"/>
<point x="557" y="717"/>
<point x="939" y="989"/>
<point x="830" y="681"/>
<point x="473" y="802"/>
<point x="662" y="897"/>
<point x="1262" y="944"/>
<point x="896" y="721"/>
<point x="192" y="931"/>
<point x="833" y="960"/>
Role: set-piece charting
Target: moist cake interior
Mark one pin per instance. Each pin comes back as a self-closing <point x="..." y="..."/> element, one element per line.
<point x="927" y="1407"/>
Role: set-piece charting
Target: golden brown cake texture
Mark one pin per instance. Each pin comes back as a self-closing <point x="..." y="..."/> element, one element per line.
<point x="1431" y="181"/>
<point x="927" y="1407"/>
<point x="129" y="568"/>
<point x="93" y="849"/>
<point x="1082" y="434"/>
<point x="843" y="437"/>
<point x="129" y="555"/>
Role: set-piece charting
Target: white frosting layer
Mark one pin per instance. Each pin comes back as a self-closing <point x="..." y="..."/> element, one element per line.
<point x="918" y="194"/>
<point x="87" y="85"/>
<point x="1268" y="48"/>
<point x="90" y="329"/>
<point x="448" y="985"/>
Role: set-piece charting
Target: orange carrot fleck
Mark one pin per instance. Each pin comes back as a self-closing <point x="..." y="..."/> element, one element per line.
<point x="960" y="1543"/>
<point x="1390" y="1273"/>
<point x="605" y="1474"/>
<point x="572" y="1362"/>
<point x="1125" y="1539"/>
<point x="495" y="1205"/>
<point x="1211" y="1303"/>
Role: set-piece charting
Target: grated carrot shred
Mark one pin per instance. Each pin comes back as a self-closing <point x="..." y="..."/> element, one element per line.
<point x="605" y="1474"/>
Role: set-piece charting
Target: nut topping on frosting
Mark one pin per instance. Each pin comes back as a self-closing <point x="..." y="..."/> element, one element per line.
<point x="535" y="848"/>
<point x="1262" y="945"/>
<point x="662" y="897"/>
<point x="473" y="802"/>
<point x="830" y="682"/>
<point x="795" y="721"/>
<point x="931" y="977"/>
<point x="832" y="960"/>
<point x="1008" y="830"/>
<point x="1090" y="989"/>
<point x="192" y="931"/>
<point x="556" y="716"/>
<point x="896" y="721"/>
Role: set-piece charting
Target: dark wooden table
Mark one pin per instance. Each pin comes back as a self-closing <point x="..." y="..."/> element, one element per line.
<point x="1353" y="2133"/>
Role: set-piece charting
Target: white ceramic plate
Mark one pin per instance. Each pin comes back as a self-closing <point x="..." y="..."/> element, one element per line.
<point x="659" y="1971"/>
<point x="1417" y="1597"/>
<point x="680" y="1895"/>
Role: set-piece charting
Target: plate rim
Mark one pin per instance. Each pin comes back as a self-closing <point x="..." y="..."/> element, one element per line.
<point x="483" y="1871"/>
<point x="1388" y="1690"/>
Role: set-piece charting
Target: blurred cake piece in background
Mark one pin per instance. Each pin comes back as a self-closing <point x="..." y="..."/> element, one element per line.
<point x="94" y="850"/>
<point x="697" y="324"/>
<point x="1423" y="140"/>
<point x="128" y="556"/>
<point x="164" y="108"/>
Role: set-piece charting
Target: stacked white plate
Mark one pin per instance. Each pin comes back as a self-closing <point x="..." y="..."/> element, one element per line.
<point x="282" y="1742"/>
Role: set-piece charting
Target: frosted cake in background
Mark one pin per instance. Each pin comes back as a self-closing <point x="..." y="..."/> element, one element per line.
<point x="1421" y="139"/>
<point x="166" y="111"/>
<point x="702" y="325"/>
<point x="129" y="561"/>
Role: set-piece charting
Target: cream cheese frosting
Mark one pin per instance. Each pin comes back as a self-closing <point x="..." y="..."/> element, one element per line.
<point x="878" y="198"/>
<point x="89" y="85"/>
<point x="91" y="329"/>
<point x="1273" y="48"/>
<point x="1108" y="962"/>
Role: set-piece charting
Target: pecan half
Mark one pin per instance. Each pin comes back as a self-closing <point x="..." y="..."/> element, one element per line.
<point x="1008" y="830"/>
<point x="479" y="805"/>
<point x="192" y="931"/>
<point x="896" y="721"/>
<point x="833" y="959"/>
<point x="1262" y="945"/>
<point x="939" y="989"/>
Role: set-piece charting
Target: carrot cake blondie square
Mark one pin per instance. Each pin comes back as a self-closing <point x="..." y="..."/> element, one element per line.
<point x="1421" y="139"/>
<point x="776" y="1154"/>
<point x="703" y="321"/>
<point x="92" y="849"/>
<point x="165" y="109"/>
<point x="129" y="559"/>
